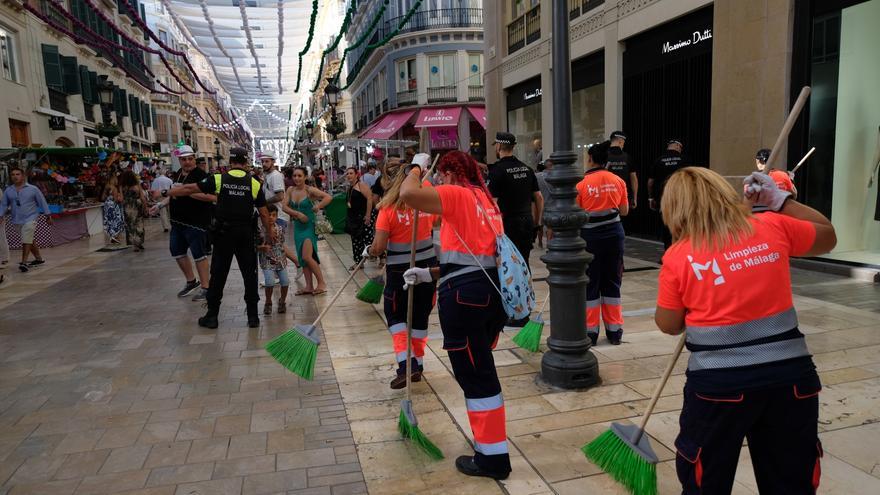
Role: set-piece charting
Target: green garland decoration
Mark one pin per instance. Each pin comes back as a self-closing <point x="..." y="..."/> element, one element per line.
<point x="342" y="30"/>
<point x="363" y="37"/>
<point x="384" y="41"/>
<point x="308" y="43"/>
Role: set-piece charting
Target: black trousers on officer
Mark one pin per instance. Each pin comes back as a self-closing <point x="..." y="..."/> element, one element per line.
<point x="234" y="240"/>
<point x="780" y="424"/>
<point x="521" y="231"/>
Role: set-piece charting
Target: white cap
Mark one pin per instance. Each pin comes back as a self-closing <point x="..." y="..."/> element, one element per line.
<point x="422" y="160"/>
<point x="185" y="150"/>
<point x="267" y="154"/>
<point x="362" y="164"/>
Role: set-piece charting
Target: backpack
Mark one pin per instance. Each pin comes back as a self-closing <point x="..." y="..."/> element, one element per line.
<point x="517" y="294"/>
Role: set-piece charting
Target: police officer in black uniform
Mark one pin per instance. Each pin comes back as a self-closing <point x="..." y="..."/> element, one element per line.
<point x="669" y="162"/>
<point x="619" y="165"/>
<point x="238" y="193"/>
<point x="514" y="185"/>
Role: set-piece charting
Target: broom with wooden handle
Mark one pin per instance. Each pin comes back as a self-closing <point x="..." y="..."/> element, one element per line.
<point x="623" y="451"/>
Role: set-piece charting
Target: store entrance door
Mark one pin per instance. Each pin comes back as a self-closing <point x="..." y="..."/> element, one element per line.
<point x="667" y="94"/>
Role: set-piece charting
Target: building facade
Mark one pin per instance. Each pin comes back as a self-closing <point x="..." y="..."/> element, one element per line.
<point x="719" y="76"/>
<point x="425" y="83"/>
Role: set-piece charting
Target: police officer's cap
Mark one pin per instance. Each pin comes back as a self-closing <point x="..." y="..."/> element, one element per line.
<point x="505" y="138"/>
<point x="617" y="135"/>
<point x="675" y="141"/>
<point x="238" y="152"/>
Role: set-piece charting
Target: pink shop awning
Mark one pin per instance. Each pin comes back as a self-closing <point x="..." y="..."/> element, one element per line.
<point x="479" y="114"/>
<point x="389" y="125"/>
<point x="438" y="117"/>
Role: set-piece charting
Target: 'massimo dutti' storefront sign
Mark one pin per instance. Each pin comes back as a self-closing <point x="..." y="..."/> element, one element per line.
<point x="696" y="38"/>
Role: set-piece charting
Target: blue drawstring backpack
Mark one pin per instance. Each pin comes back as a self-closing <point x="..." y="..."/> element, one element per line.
<point x="515" y="289"/>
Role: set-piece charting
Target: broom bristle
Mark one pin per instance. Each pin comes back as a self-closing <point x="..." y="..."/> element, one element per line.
<point x="414" y="434"/>
<point x="371" y="292"/>
<point x="618" y="459"/>
<point x="529" y="337"/>
<point x="295" y="352"/>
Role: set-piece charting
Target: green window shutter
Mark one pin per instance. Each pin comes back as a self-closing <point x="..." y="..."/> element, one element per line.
<point x="123" y="95"/>
<point x="93" y="84"/>
<point x="152" y="115"/>
<point x="52" y="66"/>
<point x="70" y="73"/>
<point x="146" y="113"/>
<point x="117" y="102"/>
<point x="133" y="109"/>
<point x="85" y="84"/>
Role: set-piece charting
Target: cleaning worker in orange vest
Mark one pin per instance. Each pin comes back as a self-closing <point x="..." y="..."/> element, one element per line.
<point x="471" y="311"/>
<point x="726" y="283"/>
<point x="393" y="236"/>
<point x="603" y="195"/>
<point x="782" y="178"/>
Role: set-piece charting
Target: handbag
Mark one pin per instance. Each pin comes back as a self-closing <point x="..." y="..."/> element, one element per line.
<point x="322" y="225"/>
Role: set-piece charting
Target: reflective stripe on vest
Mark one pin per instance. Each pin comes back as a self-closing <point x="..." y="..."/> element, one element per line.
<point x="601" y="217"/>
<point x="765" y="340"/>
<point x="466" y="259"/>
<point x="398" y="252"/>
<point x="461" y="271"/>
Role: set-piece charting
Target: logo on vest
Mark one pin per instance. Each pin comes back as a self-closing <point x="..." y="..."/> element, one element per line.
<point x="699" y="268"/>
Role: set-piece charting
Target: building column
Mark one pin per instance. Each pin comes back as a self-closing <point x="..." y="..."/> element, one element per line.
<point x="423" y="76"/>
<point x="613" y="74"/>
<point x="463" y="70"/>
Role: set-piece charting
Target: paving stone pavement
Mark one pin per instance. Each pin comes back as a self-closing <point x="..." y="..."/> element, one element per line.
<point x="108" y="386"/>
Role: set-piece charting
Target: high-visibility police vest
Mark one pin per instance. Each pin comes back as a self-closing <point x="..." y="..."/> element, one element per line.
<point x="236" y="193"/>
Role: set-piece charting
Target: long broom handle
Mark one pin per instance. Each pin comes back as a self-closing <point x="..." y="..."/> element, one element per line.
<point x="665" y="378"/>
<point x="339" y="292"/>
<point x="410" y="297"/>
<point x="803" y="160"/>
<point x="786" y="128"/>
<point x="544" y="304"/>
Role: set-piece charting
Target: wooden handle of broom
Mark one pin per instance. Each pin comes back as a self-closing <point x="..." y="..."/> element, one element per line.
<point x="544" y="304"/>
<point x="665" y="378"/>
<point x="339" y="292"/>
<point x="803" y="160"/>
<point x="410" y="297"/>
<point x="786" y="128"/>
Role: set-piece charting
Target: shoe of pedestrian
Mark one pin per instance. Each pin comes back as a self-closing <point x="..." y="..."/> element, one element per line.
<point x="466" y="465"/>
<point x="189" y="288"/>
<point x="282" y="307"/>
<point x="267" y="308"/>
<point x="399" y="381"/>
<point x="201" y="295"/>
<point x="23" y="267"/>
<point x="209" y="320"/>
<point x="253" y="322"/>
<point x="37" y="262"/>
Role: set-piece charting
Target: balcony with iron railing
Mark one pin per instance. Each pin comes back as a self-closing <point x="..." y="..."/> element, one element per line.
<point x="524" y="29"/>
<point x="442" y="94"/>
<point x="578" y="7"/>
<point x="406" y="98"/>
<point x="476" y="93"/>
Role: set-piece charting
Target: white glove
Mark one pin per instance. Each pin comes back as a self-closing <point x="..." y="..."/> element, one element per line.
<point x="762" y="190"/>
<point x="366" y="253"/>
<point x="415" y="276"/>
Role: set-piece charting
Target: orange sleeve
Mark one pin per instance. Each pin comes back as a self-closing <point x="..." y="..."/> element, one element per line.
<point x="800" y="234"/>
<point x="580" y="193"/>
<point x="451" y="199"/>
<point x="669" y="291"/>
<point x="383" y="222"/>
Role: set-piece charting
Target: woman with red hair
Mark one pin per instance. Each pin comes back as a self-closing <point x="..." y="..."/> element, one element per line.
<point x="470" y="307"/>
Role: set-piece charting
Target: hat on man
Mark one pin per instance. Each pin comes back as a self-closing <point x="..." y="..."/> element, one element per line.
<point x="238" y="154"/>
<point x="675" y="141"/>
<point x="617" y="135"/>
<point x="504" y="138"/>
<point x="185" y="150"/>
<point x="267" y="154"/>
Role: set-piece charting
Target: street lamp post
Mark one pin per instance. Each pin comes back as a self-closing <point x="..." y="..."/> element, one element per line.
<point x="331" y="92"/>
<point x="217" y="155"/>
<point x="569" y="362"/>
<point x="105" y="97"/>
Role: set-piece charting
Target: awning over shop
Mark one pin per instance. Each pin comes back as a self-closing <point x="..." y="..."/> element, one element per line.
<point x="389" y="125"/>
<point x="479" y="114"/>
<point x="438" y="117"/>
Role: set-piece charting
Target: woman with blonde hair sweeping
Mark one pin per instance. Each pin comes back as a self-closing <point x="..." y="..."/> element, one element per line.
<point x="725" y="281"/>
<point x="393" y="235"/>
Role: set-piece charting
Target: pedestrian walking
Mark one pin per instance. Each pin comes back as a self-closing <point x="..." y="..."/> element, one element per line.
<point x="163" y="181"/>
<point x="302" y="202"/>
<point x="782" y="178"/>
<point x="26" y="202"/>
<point x="513" y="184"/>
<point x="4" y="244"/>
<point x="394" y="230"/>
<point x="134" y="207"/>
<point x="471" y="312"/>
<point x="544" y="187"/>
<point x="726" y="283"/>
<point x="602" y="194"/>
<point x="238" y="193"/>
<point x="619" y="165"/>
<point x="668" y="163"/>
<point x="112" y="216"/>
<point x="190" y="221"/>
<point x="358" y="223"/>
<point x="273" y="262"/>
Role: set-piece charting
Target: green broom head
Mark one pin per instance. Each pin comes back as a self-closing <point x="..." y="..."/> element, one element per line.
<point x="529" y="337"/>
<point x="371" y="292"/>
<point x="632" y="465"/>
<point x="296" y="350"/>
<point x="408" y="426"/>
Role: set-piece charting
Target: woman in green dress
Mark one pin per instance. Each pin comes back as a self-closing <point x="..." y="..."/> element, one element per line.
<point x="301" y="202"/>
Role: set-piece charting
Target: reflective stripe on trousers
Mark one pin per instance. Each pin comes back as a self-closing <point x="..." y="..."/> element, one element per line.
<point x="398" y="340"/>
<point x="487" y="420"/>
<point x="765" y="340"/>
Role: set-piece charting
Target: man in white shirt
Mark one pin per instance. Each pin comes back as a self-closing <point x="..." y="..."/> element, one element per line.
<point x="161" y="182"/>
<point x="372" y="175"/>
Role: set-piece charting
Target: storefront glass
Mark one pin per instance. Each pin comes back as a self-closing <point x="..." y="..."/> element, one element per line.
<point x="524" y="119"/>
<point x="844" y="113"/>
<point x="588" y="116"/>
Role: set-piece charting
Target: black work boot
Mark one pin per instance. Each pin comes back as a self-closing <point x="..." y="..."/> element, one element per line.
<point x="210" y="319"/>
<point x="466" y="465"/>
